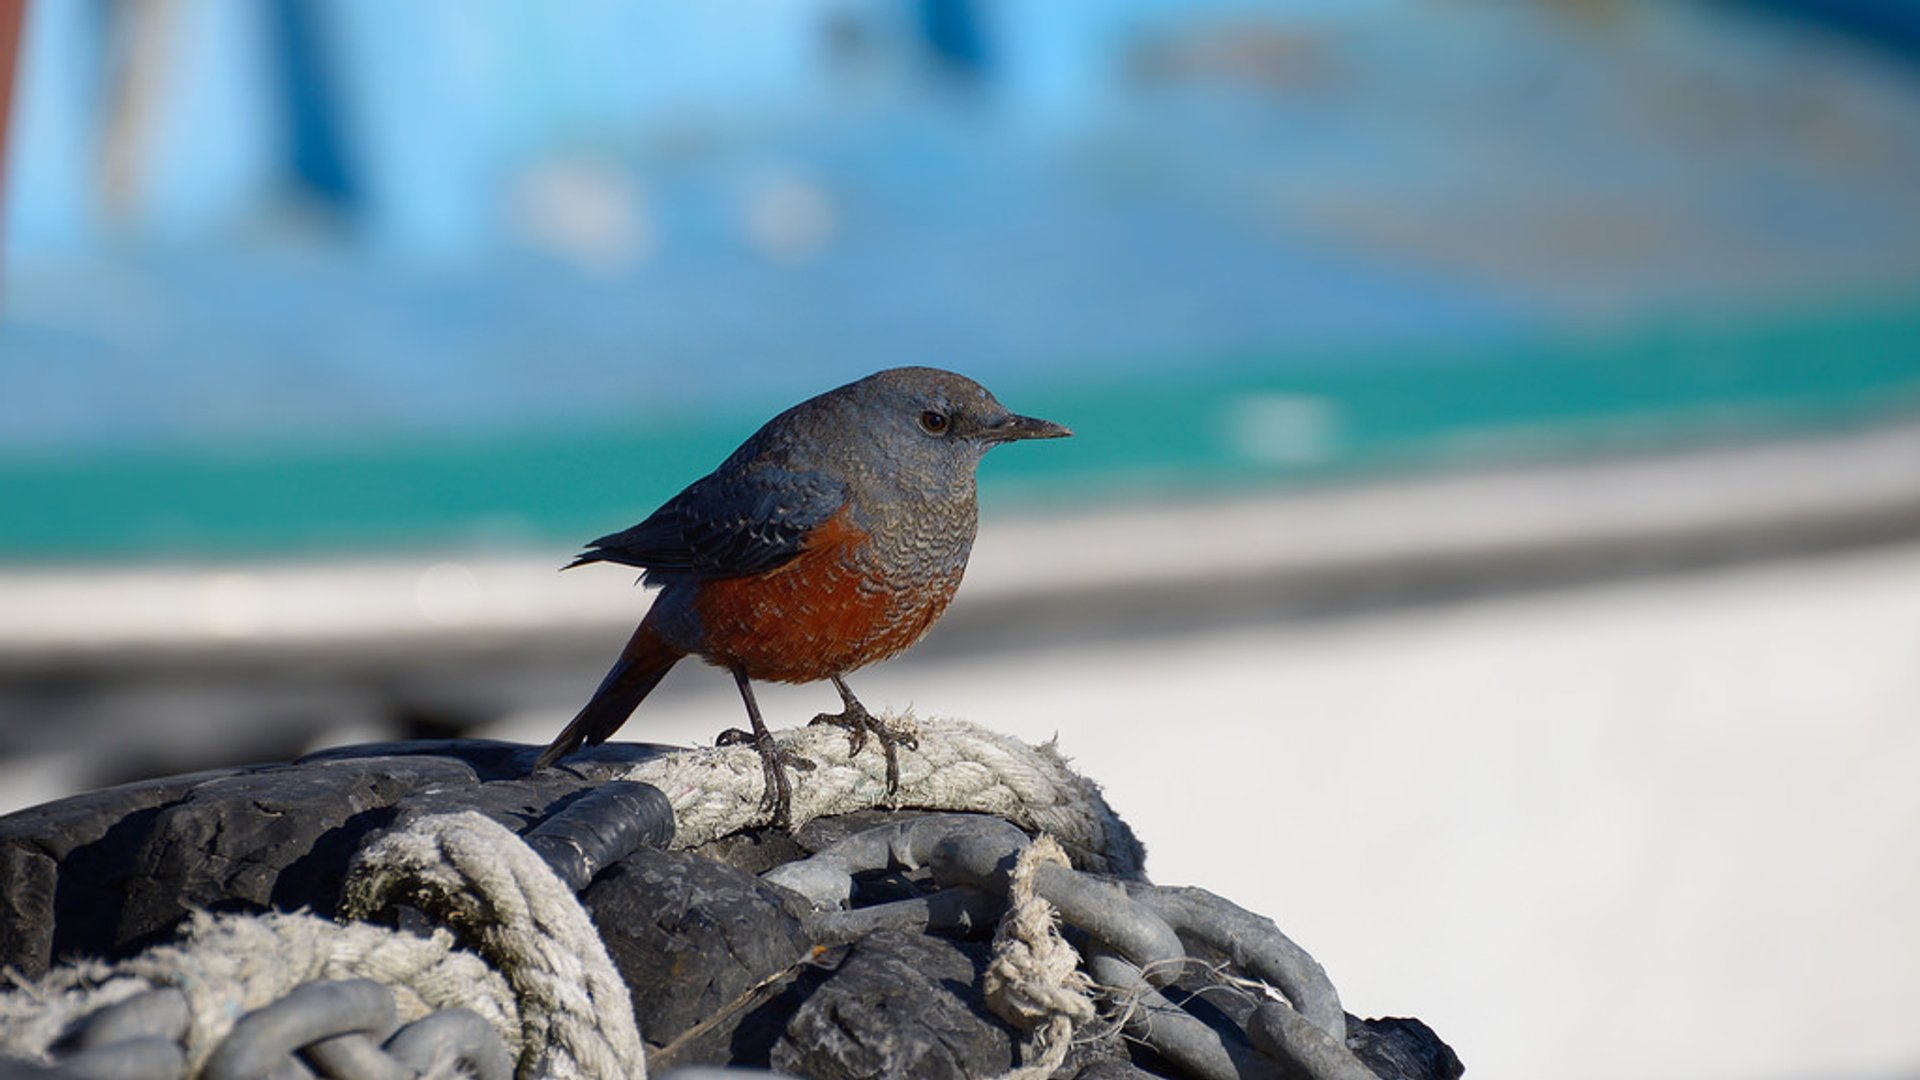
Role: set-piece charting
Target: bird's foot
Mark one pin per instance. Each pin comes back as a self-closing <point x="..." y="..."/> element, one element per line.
<point x="777" y="796"/>
<point x="860" y="723"/>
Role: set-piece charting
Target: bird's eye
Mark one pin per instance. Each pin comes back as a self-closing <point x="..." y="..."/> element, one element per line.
<point x="934" y="422"/>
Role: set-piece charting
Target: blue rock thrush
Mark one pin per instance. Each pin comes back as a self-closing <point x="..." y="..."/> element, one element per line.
<point x="832" y="538"/>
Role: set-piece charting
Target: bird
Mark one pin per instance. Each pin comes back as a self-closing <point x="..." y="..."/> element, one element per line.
<point x="832" y="538"/>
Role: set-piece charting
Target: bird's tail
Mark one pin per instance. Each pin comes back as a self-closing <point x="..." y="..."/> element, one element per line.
<point x="642" y="664"/>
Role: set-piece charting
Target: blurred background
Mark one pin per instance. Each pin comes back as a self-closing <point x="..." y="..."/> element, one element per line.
<point x="1490" y="545"/>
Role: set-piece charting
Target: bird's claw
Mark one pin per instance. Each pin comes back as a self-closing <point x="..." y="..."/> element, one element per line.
<point x="856" y="720"/>
<point x="859" y="724"/>
<point x="776" y="797"/>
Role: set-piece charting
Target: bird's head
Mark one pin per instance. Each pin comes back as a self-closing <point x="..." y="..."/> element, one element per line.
<point x="929" y="415"/>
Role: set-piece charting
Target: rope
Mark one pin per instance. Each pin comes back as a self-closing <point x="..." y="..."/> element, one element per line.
<point x="1034" y="981"/>
<point x="230" y="965"/>
<point x="959" y="767"/>
<point x="471" y="873"/>
<point x="538" y="972"/>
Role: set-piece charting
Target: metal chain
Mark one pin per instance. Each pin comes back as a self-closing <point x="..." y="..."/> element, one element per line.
<point x="340" y="1029"/>
<point x="1138" y="930"/>
<point x="345" y="1029"/>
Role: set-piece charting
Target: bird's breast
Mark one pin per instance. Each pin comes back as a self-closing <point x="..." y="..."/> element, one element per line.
<point x="854" y="595"/>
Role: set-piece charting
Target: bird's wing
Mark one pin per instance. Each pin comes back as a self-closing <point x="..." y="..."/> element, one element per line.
<point x="746" y="522"/>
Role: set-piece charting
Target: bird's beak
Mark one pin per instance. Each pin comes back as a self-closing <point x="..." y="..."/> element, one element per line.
<point x="1025" y="427"/>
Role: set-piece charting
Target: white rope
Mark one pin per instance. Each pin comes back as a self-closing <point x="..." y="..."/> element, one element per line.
<point x="229" y="965"/>
<point x="1034" y="981"/>
<point x="958" y="767"/>
<point x="470" y="872"/>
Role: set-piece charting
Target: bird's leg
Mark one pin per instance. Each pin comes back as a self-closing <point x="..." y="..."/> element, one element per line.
<point x="777" y="796"/>
<point x="860" y="723"/>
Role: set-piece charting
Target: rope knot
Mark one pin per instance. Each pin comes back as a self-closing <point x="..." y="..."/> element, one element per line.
<point x="1034" y="981"/>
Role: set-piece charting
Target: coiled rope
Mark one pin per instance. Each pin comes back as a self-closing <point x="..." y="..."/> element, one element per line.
<point x="511" y="945"/>
<point x="471" y="873"/>
<point x="959" y="767"/>
<point x="228" y="966"/>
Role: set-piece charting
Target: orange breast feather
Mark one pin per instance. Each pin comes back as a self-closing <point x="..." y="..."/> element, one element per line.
<point x="826" y="612"/>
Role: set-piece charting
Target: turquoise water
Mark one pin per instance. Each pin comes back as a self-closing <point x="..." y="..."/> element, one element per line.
<point x="1244" y="423"/>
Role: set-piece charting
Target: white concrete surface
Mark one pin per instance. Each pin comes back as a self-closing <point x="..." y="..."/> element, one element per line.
<point x="1663" y="829"/>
